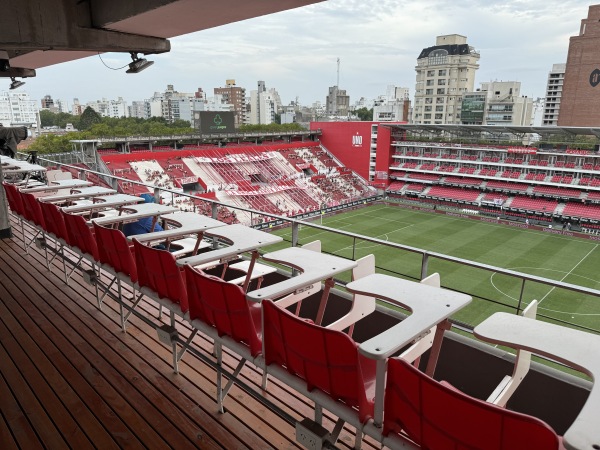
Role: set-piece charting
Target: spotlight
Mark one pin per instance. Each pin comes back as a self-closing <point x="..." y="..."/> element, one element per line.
<point x="16" y="84"/>
<point x="138" y="64"/>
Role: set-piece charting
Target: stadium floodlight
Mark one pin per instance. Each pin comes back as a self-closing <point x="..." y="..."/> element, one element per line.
<point x="16" y="84"/>
<point x="138" y="64"/>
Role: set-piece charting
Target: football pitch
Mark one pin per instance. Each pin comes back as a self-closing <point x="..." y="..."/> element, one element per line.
<point x="557" y="257"/>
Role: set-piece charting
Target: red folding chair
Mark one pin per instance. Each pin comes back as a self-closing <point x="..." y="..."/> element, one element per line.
<point x="161" y="279"/>
<point x="437" y="417"/>
<point x="325" y="359"/>
<point x="33" y="215"/>
<point x="116" y="256"/>
<point x="83" y="243"/>
<point x="15" y="203"/>
<point x="220" y="310"/>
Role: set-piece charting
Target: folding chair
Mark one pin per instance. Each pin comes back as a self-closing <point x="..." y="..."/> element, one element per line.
<point x="327" y="360"/>
<point x="220" y="310"/>
<point x="162" y="280"/>
<point x="438" y="416"/>
<point x="116" y="256"/>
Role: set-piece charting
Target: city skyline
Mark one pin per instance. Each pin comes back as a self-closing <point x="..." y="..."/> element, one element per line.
<point x="296" y="51"/>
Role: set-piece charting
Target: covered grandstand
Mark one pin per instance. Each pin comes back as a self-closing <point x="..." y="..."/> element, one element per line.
<point x="282" y="178"/>
<point x="557" y="182"/>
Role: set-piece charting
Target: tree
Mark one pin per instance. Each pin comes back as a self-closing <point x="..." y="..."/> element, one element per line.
<point x="272" y="127"/>
<point x="364" y="114"/>
<point x="89" y="118"/>
<point x="47" y="118"/>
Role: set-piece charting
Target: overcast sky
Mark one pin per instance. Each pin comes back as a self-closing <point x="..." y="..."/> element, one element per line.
<point x="378" y="42"/>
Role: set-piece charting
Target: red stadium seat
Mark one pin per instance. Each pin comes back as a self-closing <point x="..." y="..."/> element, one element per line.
<point x="326" y="359"/>
<point x="161" y="279"/>
<point x="116" y="257"/>
<point x="220" y="310"/>
<point x="439" y="417"/>
<point x="158" y="271"/>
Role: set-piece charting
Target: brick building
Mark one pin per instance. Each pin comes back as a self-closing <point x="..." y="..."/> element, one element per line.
<point x="581" y="88"/>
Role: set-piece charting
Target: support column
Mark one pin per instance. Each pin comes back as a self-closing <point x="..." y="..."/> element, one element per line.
<point x="5" y="230"/>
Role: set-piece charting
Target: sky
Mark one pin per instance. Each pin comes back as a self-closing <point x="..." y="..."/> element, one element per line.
<point x="377" y="41"/>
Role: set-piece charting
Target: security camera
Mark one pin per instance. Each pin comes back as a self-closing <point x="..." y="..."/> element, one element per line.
<point x="4" y="65"/>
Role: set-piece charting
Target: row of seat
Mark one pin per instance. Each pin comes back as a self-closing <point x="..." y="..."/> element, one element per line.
<point x="322" y="363"/>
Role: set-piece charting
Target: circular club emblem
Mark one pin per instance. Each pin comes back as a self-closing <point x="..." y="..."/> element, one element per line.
<point x="595" y="77"/>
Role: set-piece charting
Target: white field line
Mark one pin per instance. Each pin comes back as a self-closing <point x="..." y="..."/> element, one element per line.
<point x="375" y="237"/>
<point x="569" y="273"/>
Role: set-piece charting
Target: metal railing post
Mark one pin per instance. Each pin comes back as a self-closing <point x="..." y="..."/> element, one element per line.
<point x="295" y="230"/>
<point x="424" y="265"/>
<point x="214" y="211"/>
<point x="521" y="296"/>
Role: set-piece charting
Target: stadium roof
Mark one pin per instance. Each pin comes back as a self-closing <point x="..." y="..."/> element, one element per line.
<point x="36" y="33"/>
<point x="465" y="129"/>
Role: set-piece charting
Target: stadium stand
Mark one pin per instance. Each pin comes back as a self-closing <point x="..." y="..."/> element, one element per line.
<point x="453" y="193"/>
<point x="556" y="191"/>
<point x="582" y="210"/>
<point x="504" y="185"/>
<point x="533" y="204"/>
<point x="282" y="179"/>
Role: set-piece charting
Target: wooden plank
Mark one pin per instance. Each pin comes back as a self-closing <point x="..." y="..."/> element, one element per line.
<point x="47" y="433"/>
<point x="143" y="420"/>
<point x="18" y="429"/>
<point x="53" y="404"/>
<point x="6" y="438"/>
<point x="60" y="376"/>
<point x="187" y="400"/>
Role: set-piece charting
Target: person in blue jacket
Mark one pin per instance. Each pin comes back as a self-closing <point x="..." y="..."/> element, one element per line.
<point x="144" y="225"/>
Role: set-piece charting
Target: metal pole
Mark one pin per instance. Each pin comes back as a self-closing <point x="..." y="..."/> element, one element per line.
<point x="5" y="230"/>
<point x="521" y="296"/>
<point x="294" y="234"/>
<point x="424" y="265"/>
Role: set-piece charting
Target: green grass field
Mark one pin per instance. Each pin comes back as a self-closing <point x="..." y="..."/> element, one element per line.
<point x="562" y="258"/>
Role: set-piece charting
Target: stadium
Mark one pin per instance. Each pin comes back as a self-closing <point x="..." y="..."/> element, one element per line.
<point x="509" y="226"/>
<point x="354" y="285"/>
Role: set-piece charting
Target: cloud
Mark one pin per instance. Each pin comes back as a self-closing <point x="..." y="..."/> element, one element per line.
<point x="377" y="41"/>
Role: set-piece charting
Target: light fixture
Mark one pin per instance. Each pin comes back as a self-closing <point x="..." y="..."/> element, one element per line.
<point x="16" y="84"/>
<point x="138" y="64"/>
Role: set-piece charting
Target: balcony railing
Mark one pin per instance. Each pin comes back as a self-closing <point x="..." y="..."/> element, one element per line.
<point x="417" y="261"/>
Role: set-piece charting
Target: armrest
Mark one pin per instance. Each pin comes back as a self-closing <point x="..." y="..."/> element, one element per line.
<point x="509" y="384"/>
<point x="362" y="305"/>
<point x="295" y="297"/>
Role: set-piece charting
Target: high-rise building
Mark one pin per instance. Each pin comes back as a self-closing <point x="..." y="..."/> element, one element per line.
<point x="140" y="109"/>
<point x="47" y="102"/>
<point x="554" y="90"/>
<point x="581" y="86"/>
<point x="16" y="109"/>
<point x="263" y="105"/>
<point x="444" y="73"/>
<point x="393" y="106"/>
<point x="337" y="101"/>
<point x="78" y="108"/>
<point x="110" y="108"/>
<point x="504" y="105"/>
<point x="236" y="96"/>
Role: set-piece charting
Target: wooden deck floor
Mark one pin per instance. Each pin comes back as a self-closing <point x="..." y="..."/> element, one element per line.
<point x="70" y="378"/>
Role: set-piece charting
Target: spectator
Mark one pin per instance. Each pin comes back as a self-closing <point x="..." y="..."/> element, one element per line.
<point x="144" y="225"/>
